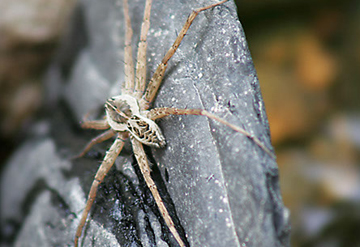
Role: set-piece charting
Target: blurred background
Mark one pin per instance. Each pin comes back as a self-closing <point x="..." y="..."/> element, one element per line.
<point x="307" y="55"/>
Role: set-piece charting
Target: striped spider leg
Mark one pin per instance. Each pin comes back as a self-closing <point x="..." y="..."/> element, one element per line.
<point x="128" y="115"/>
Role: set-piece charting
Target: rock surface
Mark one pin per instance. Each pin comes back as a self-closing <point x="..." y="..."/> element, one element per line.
<point x="220" y="187"/>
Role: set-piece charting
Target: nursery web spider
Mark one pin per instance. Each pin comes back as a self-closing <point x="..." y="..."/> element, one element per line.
<point x="128" y="115"/>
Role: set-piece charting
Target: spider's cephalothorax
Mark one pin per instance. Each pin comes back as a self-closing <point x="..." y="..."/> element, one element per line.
<point x="119" y="110"/>
<point x="122" y="113"/>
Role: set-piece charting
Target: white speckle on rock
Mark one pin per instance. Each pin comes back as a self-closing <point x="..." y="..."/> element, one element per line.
<point x="158" y="33"/>
<point x="225" y="200"/>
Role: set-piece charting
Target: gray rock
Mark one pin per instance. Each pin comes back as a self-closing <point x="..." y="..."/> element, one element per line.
<point x="219" y="186"/>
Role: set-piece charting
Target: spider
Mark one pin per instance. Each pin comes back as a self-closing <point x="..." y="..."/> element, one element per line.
<point x="128" y="115"/>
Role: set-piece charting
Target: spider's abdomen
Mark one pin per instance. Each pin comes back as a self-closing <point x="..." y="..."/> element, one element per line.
<point x="146" y="131"/>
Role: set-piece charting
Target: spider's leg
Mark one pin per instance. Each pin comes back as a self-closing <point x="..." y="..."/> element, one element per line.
<point x="95" y="124"/>
<point x="140" y="78"/>
<point x="105" y="166"/>
<point x="166" y="111"/>
<point x="99" y="139"/>
<point x="128" y="57"/>
<point x="156" y="79"/>
<point x="145" y="170"/>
